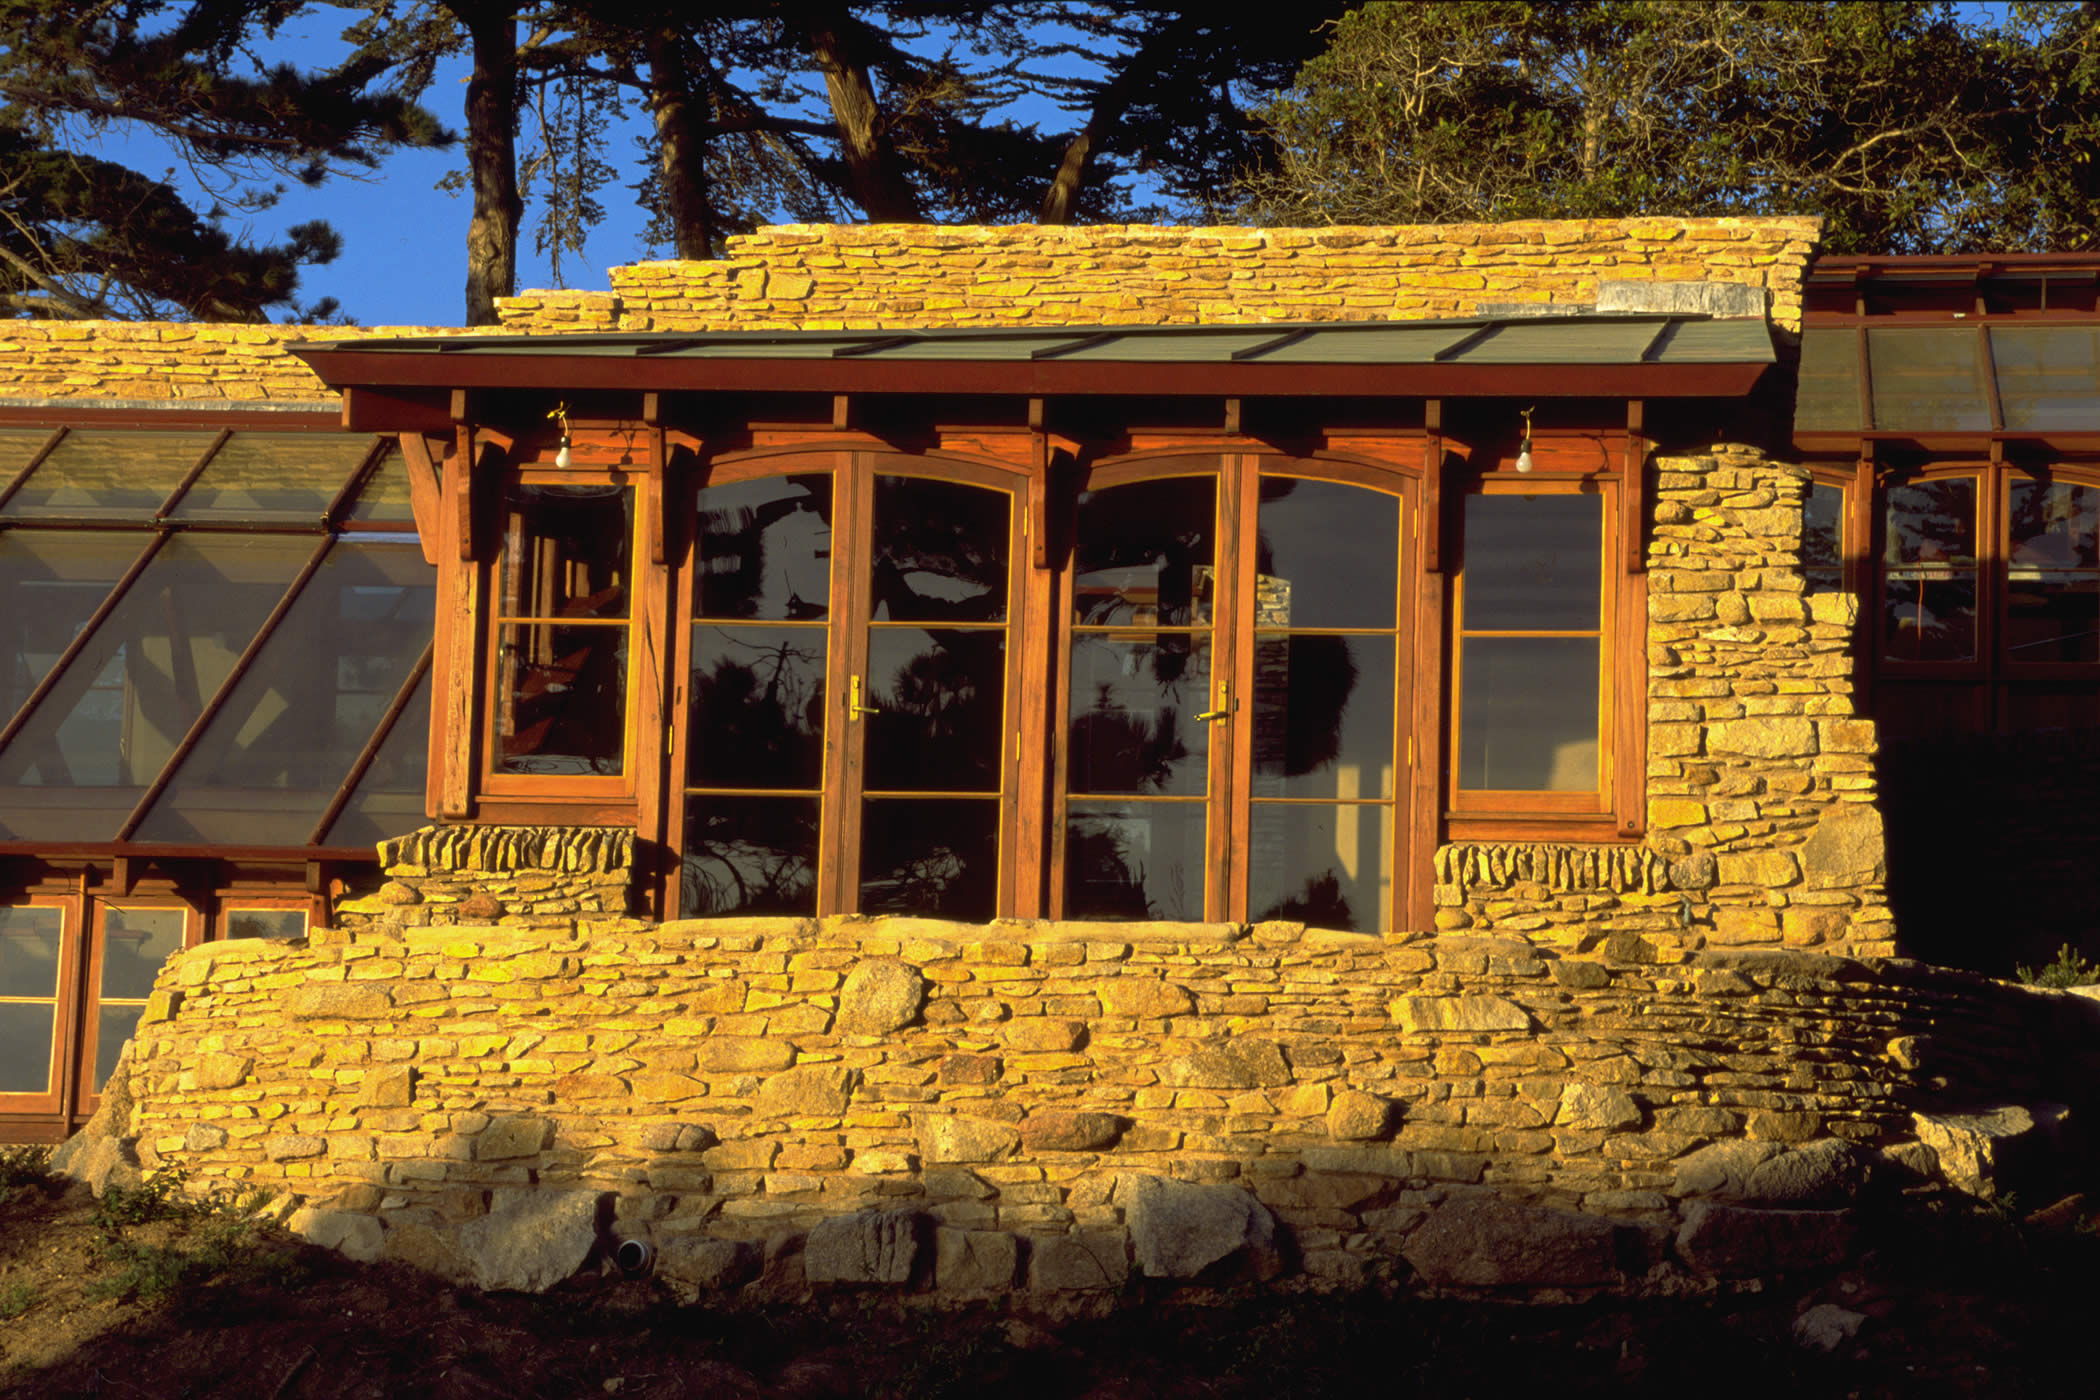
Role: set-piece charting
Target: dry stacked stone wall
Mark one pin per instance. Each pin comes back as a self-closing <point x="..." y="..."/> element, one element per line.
<point x="827" y="277"/>
<point x="974" y="1109"/>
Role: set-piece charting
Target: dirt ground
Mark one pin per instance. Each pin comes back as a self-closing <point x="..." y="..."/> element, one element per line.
<point x="1958" y="1304"/>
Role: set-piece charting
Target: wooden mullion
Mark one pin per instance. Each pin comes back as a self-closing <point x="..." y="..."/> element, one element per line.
<point x="83" y="638"/>
<point x="1424" y="799"/>
<point x="1228" y="816"/>
<point x="36" y="459"/>
<point x="1429" y="511"/>
<point x="462" y="598"/>
<point x="365" y="755"/>
<point x="225" y="691"/>
<point x="189" y="478"/>
<point x="651" y="641"/>
<point x="838" y="855"/>
<point x="1627" y="669"/>
<point x="1028" y="670"/>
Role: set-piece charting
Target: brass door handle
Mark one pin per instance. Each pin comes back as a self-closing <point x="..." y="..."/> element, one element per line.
<point x="1224" y="707"/>
<point x="855" y="707"/>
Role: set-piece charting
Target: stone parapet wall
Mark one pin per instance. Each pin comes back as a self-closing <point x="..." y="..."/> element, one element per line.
<point x="827" y="277"/>
<point x="179" y="364"/>
<point x="739" y="1083"/>
<point x="513" y="876"/>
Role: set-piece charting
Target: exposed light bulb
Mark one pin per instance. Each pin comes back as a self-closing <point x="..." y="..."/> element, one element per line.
<point x="561" y="456"/>
<point x="1524" y="456"/>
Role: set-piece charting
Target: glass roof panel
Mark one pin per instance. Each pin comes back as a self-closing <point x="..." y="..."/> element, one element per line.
<point x="263" y="772"/>
<point x="1827" y="398"/>
<point x="383" y="499"/>
<point x="17" y="446"/>
<point x="389" y="798"/>
<point x="53" y="580"/>
<point x="1928" y="379"/>
<point x="269" y="478"/>
<point x="2048" y="376"/>
<point x="91" y="747"/>
<point x="107" y="474"/>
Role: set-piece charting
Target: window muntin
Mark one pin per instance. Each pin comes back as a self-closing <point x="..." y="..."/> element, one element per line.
<point x="32" y="946"/>
<point x="1531" y="683"/>
<point x="561" y="631"/>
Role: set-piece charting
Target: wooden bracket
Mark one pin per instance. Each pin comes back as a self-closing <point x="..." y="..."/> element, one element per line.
<point x="425" y="491"/>
<point x="1633" y="487"/>
<point x="1232" y="417"/>
<point x="124" y="874"/>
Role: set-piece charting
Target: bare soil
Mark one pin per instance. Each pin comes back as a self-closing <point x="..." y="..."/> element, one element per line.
<point x="1955" y="1304"/>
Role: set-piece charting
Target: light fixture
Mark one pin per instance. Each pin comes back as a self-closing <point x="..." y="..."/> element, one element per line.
<point x="560" y="414"/>
<point x="1524" y="447"/>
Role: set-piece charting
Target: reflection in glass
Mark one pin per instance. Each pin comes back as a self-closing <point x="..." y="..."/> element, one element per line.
<point x="764" y="550"/>
<point x="1533" y="563"/>
<point x="17" y="446"/>
<point x="1928" y="379"/>
<point x="940" y="697"/>
<point x="1528" y="714"/>
<point x="561" y="699"/>
<point x="135" y="942"/>
<point x="1327" y="865"/>
<point x="53" y="580"/>
<point x="2052" y="617"/>
<point x="1323" y="716"/>
<point x="2055" y="525"/>
<point x="273" y="476"/>
<point x="565" y="551"/>
<point x="1144" y="554"/>
<point x="107" y="474"/>
<point x="112" y="720"/>
<point x="25" y="1046"/>
<point x="2045" y="376"/>
<point x="1822" y="537"/>
<point x="940" y="552"/>
<point x="758" y="707"/>
<point x="29" y="944"/>
<point x="1134" y="860"/>
<point x="937" y="857"/>
<point x="113" y="1026"/>
<point x="384" y="498"/>
<point x="264" y="770"/>
<point x="1931" y="522"/>
<point x="388" y="799"/>
<point x="1327" y="554"/>
<point x="266" y="923"/>
<point x="749" y="855"/>
<point x="1827" y="397"/>
<point x="1133" y="714"/>
<point x="1929" y="616"/>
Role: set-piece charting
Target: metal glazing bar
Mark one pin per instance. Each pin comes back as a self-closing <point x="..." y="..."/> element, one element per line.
<point x="83" y="637"/>
<point x="1255" y="352"/>
<point x="225" y="691"/>
<point x="1076" y="344"/>
<point x="347" y="492"/>
<point x="1464" y="343"/>
<point x="370" y="751"/>
<point x="36" y="459"/>
<point x="189" y="478"/>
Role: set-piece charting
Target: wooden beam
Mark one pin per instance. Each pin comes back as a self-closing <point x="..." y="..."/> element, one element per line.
<point x="425" y="492"/>
<point x="1432" y="506"/>
<point x="1038" y="503"/>
<point x="1633" y="487"/>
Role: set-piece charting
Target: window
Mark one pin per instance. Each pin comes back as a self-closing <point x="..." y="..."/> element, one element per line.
<point x="33" y="987"/>
<point x="131" y="942"/>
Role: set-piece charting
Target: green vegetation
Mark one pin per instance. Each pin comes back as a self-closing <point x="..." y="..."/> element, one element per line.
<point x="16" y="1299"/>
<point x="23" y="1169"/>
<point x="215" y="1234"/>
<point x="2069" y="970"/>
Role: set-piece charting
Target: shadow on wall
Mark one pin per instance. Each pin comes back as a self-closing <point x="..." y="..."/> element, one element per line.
<point x="1994" y="855"/>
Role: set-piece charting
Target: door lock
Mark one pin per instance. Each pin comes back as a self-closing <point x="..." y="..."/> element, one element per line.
<point x="855" y="702"/>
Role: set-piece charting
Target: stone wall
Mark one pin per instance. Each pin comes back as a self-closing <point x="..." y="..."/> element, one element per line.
<point x="1027" y="1104"/>
<point x="513" y="876"/>
<point x="828" y="277"/>
<point x="182" y="364"/>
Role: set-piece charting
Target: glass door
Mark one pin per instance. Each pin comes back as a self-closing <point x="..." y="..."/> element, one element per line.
<point x="131" y="943"/>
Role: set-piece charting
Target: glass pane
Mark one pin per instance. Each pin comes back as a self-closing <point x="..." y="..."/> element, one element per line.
<point x="561" y="696"/>
<point x="1827" y="398"/>
<point x="388" y="800"/>
<point x="937" y="857"/>
<point x="113" y="1026"/>
<point x="1931" y="522"/>
<point x="2046" y="376"/>
<point x="2052" y="616"/>
<point x="1928" y="380"/>
<point x="758" y="707"/>
<point x="1133" y="715"/>
<point x="17" y="446"/>
<point x="29" y="942"/>
<point x="1528" y="714"/>
<point x="135" y="942"/>
<point x="273" y="476"/>
<point x="1134" y="860"/>
<point x="1328" y="866"/>
<point x="1328" y="555"/>
<point x="749" y="855"/>
<point x="384" y="498"/>
<point x="25" y="1048"/>
<point x="2054" y="525"/>
<point x="565" y="551"/>
<point x="765" y="550"/>
<point x="1823" y="537"/>
<point x="1533" y="563"/>
<point x="274" y="755"/>
<point x="112" y="721"/>
<point x="941" y="697"/>
<point x="107" y="474"/>
<point x="266" y="923"/>
<point x="1323" y="716"/>
<point x="940" y="551"/>
<point x="1929" y="616"/>
<point x="53" y="581"/>
<point x="1143" y="554"/>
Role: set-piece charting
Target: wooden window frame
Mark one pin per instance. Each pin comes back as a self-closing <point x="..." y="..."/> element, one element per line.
<point x="85" y="1094"/>
<point x="227" y="905"/>
<point x="67" y="1028"/>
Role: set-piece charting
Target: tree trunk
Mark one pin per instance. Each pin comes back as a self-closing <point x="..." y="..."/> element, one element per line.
<point x="1109" y="106"/>
<point x="878" y="182"/>
<point x="681" y="153"/>
<point x="492" y="156"/>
